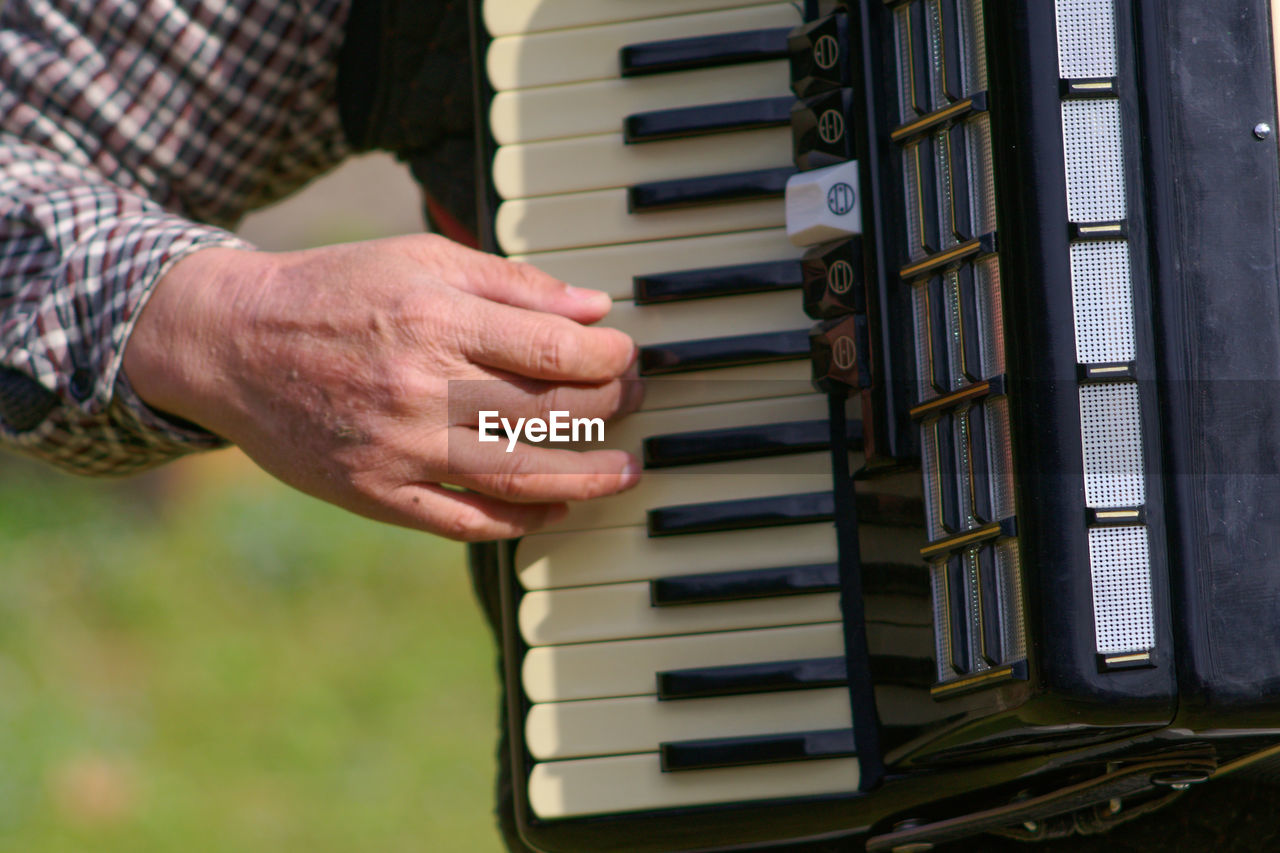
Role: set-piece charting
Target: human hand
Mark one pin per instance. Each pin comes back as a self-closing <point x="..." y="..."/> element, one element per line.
<point x="331" y="369"/>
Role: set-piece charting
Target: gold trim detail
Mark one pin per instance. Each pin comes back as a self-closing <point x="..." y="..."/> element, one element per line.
<point x="1118" y="513"/>
<point x="951" y="543"/>
<point x="1119" y="368"/>
<point x="925" y="122"/>
<point x="1119" y="659"/>
<point x="1245" y="761"/>
<point x="969" y="247"/>
<point x="1100" y="229"/>
<point x="971" y="681"/>
<point x="969" y="392"/>
<point x="1093" y="87"/>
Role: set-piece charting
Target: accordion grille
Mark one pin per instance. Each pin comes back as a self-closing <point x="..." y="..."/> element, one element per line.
<point x="1086" y="38"/>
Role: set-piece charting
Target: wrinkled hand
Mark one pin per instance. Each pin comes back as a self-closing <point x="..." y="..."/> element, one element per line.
<point x="331" y="369"/>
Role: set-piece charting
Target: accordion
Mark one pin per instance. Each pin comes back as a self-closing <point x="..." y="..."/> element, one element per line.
<point x="960" y="322"/>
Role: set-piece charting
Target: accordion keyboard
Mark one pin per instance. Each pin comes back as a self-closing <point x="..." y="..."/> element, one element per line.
<point x="684" y="640"/>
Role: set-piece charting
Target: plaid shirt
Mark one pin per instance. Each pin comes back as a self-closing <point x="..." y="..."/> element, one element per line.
<point x="132" y="132"/>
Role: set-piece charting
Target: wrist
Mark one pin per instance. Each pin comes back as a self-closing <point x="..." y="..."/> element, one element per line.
<point x="176" y="357"/>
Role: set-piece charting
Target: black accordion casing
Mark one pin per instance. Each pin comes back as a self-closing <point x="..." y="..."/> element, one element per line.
<point x="1086" y="371"/>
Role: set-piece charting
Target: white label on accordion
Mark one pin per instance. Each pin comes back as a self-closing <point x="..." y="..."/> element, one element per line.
<point x="825" y="204"/>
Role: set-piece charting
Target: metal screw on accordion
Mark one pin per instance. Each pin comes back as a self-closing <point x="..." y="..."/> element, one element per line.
<point x="1180" y="780"/>
<point x="1262" y="130"/>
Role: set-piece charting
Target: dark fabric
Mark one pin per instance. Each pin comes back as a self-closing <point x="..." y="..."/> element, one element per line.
<point x="405" y="85"/>
<point x="24" y="402"/>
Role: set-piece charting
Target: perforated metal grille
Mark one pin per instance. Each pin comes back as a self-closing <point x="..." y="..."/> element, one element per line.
<point x="973" y="609"/>
<point x="964" y="464"/>
<point x="955" y="337"/>
<point x="932" y="480"/>
<point x="1102" y="293"/>
<point x="990" y="315"/>
<point x="973" y="46"/>
<point x="920" y="306"/>
<point x="937" y="63"/>
<point x="1095" y="167"/>
<point x="941" y="621"/>
<point x="1000" y="456"/>
<point x="1121" y="566"/>
<point x="1086" y="38"/>
<point x="902" y="27"/>
<point x="982" y="182"/>
<point x="1009" y="573"/>
<point x="946" y="197"/>
<point x="1112" y="438"/>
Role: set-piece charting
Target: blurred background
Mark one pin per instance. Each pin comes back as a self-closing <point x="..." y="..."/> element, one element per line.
<point x="202" y="659"/>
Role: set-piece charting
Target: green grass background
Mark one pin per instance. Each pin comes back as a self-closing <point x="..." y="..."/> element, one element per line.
<point x="201" y="659"/>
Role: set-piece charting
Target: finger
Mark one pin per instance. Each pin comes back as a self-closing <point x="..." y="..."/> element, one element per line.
<point x="544" y="346"/>
<point x="467" y="516"/>
<point x="523" y="285"/>
<point x="519" y="397"/>
<point x="529" y="473"/>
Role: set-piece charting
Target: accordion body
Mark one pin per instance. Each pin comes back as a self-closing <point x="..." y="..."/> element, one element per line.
<point x="961" y="327"/>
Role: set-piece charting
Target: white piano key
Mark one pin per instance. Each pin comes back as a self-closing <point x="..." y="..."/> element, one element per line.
<point x="604" y="160"/>
<point x="599" y="106"/>
<point x="621" y="554"/>
<point x="630" y="667"/>
<point x="611" y="268"/>
<point x="556" y="730"/>
<point x="503" y="17"/>
<point x="619" y="611"/>
<point x="623" y="611"/>
<point x="600" y="218"/>
<point x="591" y="53"/>
<point x="591" y="727"/>
<point x="560" y="789"/>
<point x="709" y="318"/>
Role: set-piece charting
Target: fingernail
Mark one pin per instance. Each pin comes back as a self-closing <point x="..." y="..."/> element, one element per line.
<point x="631" y="472"/>
<point x="586" y="294"/>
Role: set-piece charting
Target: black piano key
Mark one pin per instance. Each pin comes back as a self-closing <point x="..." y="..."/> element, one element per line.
<point x="749" y="442"/>
<point x="877" y="579"/>
<point x="757" y="749"/>
<point x="659" y="57"/>
<point x="711" y="189"/>
<point x="702" y="120"/>
<point x="740" y="514"/>
<point x="768" y="677"/>
<point x="715" y="281"/>
<point x="958" y="614"/>
<point x="749" y="583"/>
<point x="801" y="674"/>
<point x="709" y="353"/>
<point x="879" y="509"/>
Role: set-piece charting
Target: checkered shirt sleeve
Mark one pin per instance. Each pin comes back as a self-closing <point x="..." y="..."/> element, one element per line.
<point x="133" y="132"/>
